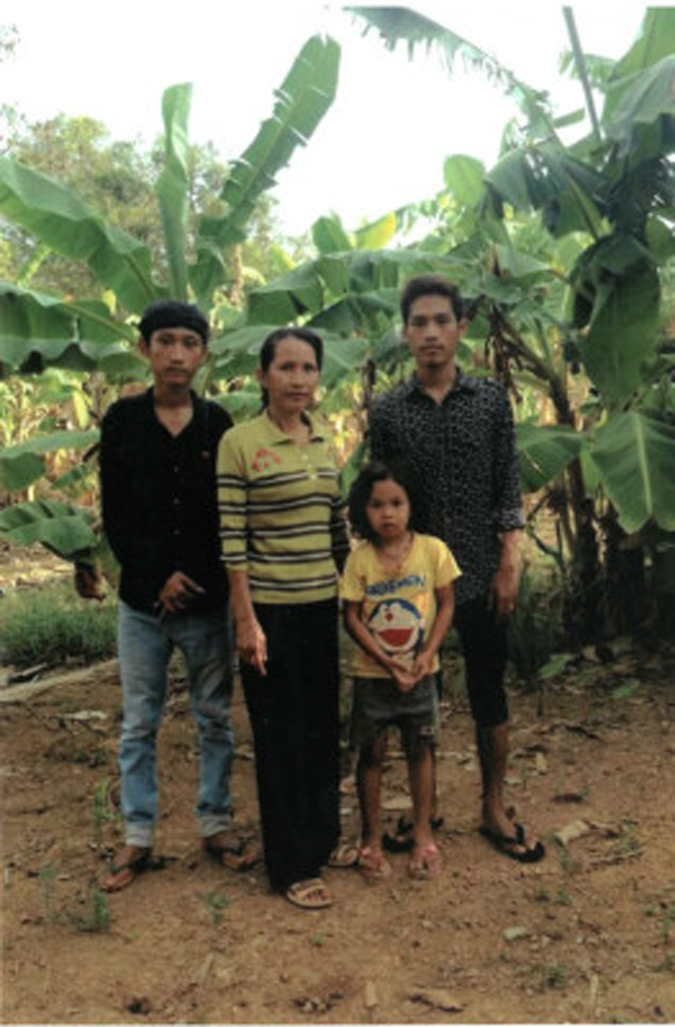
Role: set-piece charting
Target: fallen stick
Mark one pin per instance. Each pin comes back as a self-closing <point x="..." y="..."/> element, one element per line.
<point x="21" y="693"/>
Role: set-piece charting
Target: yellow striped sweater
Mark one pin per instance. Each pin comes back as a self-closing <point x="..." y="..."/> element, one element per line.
<point x="281" y="513"/>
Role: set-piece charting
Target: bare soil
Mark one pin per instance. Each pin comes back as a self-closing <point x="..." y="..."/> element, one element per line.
<point x="586" y="936"/>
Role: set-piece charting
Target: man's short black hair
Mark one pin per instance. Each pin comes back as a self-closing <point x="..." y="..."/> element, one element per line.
<point x="430" y="285"/>
<point x="173" y="314"/>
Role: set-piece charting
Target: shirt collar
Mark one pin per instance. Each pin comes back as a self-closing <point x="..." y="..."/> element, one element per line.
<point x="278" y="436"/>
<point x="463" y="382"/>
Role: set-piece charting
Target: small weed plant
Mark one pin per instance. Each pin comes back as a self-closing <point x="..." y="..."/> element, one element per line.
<point x="55" y="626"/>
<point x="47" y="877"/>
<point x="555" y="975"/>
<point x="102" y="808"/>
<point x="217" y="902"/>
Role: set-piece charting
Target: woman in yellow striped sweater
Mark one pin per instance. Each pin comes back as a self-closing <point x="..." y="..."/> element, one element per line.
<point x="283" y="540"/>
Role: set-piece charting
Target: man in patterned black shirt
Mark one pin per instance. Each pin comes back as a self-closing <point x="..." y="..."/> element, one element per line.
<point x="456" y="433"/>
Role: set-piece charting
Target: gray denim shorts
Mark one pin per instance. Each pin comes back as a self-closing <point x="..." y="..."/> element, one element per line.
<point x="378" y="704"/>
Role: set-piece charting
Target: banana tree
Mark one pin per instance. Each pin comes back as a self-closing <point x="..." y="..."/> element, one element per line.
<point x="569" y="305"/>
<point x="96" y="333"/>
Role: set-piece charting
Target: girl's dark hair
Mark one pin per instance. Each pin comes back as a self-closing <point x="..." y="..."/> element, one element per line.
<point x="269" y="348"/>
<point x="360" y="492"/>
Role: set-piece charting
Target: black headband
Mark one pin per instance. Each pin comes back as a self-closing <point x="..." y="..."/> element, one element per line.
<point x="173" y="314"/>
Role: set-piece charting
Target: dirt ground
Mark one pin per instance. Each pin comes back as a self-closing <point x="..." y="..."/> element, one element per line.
<point x="586" y="936"/>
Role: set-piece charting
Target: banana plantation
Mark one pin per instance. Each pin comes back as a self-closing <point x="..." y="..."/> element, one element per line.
<point x="565" y="252"/>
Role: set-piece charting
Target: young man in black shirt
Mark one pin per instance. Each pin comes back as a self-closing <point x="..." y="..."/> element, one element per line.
<point x="157" y="462"/>
<point x="457" y="434"/>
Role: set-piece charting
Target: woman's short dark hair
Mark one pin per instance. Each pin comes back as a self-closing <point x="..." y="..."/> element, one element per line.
<point x="269" y="348"/>
<point x="360" y="492"/>
<point x="430" y="285"/>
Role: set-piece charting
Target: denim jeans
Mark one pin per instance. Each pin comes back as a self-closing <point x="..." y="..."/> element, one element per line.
<point x="145" y="645"/>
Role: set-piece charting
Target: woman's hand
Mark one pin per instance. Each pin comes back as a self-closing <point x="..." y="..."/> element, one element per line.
<point x="252" y="644"/>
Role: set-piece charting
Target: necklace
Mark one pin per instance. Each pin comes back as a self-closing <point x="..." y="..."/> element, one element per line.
<point x="393" y="558"/>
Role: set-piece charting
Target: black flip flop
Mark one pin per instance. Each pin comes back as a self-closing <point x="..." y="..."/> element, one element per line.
<point x="503" y="843"/>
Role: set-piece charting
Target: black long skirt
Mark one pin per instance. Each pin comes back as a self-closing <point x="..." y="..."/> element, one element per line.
<point x="294" y="715"/>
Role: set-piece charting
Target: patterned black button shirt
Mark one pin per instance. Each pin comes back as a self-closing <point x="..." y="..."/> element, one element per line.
<point x="464" y="465"/>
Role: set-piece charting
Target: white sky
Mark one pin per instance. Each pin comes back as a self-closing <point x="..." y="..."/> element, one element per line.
<point x="383" y="142"/>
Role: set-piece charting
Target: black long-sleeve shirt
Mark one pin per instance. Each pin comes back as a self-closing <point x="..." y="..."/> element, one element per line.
<point x="464" y="464"/>
<point x="159" y="499"/>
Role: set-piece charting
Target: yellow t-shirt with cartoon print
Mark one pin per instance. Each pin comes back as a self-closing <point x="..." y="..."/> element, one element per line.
<point x="399" y="610"/>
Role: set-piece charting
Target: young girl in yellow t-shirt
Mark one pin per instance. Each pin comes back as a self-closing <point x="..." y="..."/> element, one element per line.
<point x="397" y="588"/>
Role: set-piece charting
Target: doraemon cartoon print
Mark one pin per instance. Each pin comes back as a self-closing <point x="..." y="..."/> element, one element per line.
<point x="398" y="626"/>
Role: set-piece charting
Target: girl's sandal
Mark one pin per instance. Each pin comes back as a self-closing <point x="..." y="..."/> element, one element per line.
<point x="309" y="894"/>
<point x="343" y="856"/>
<point x="373" y="863"/>
<point x="425" y="862"/>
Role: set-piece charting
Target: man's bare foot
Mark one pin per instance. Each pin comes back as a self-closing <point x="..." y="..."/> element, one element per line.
<point x="131" y="861"/>
<point x="232" y="852"/>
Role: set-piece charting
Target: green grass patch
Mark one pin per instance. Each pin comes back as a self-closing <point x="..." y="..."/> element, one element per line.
<point x="55" y="626"/>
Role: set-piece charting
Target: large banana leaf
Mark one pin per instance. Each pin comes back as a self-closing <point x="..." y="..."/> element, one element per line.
<point x="315" y="286"/>
<point x="543" y="452"/>
<point x="552" y="181"/>
<point x="401" y="24"/>
<point x="60" y="219"/>
<point x="237" y="353"/>
<point x="36" y="324"/>
<point x="619" y="286"/>
<point x="304" y="97"/>
<point x="465" y="178"/>
<point x="642" y="117"/>
<point x="655" y="41"/>
<point x="173" y="185"/>
<point x="62" y="528"/>
<point x="22" y="464"/>
<point x="636" y="457"/>
<point x="329" y="236"/>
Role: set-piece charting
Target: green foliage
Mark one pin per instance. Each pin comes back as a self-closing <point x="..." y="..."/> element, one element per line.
<point x="535" y="629"/>
<point x="301" y="102"/>
<point x="555" y="975"/>
<point x="55" y="626"/>
<point x="217" y="902"/>
<point x="21" y="465"/>
<point x="61" y="527"/>
<point x="403" y="25"/>
<point x="61" y="220"/>
<point x="47" y="877"/>
<point x="544" y="452"/>
<point x="98" y="918"/>
<point x="102" y="809"/>
<point x="635" y="453"/>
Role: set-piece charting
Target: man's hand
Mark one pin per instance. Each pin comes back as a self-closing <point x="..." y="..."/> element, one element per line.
<point x="506" y="581"/>
<point x="178" y="593"/>
<point x="252" y="644"/>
